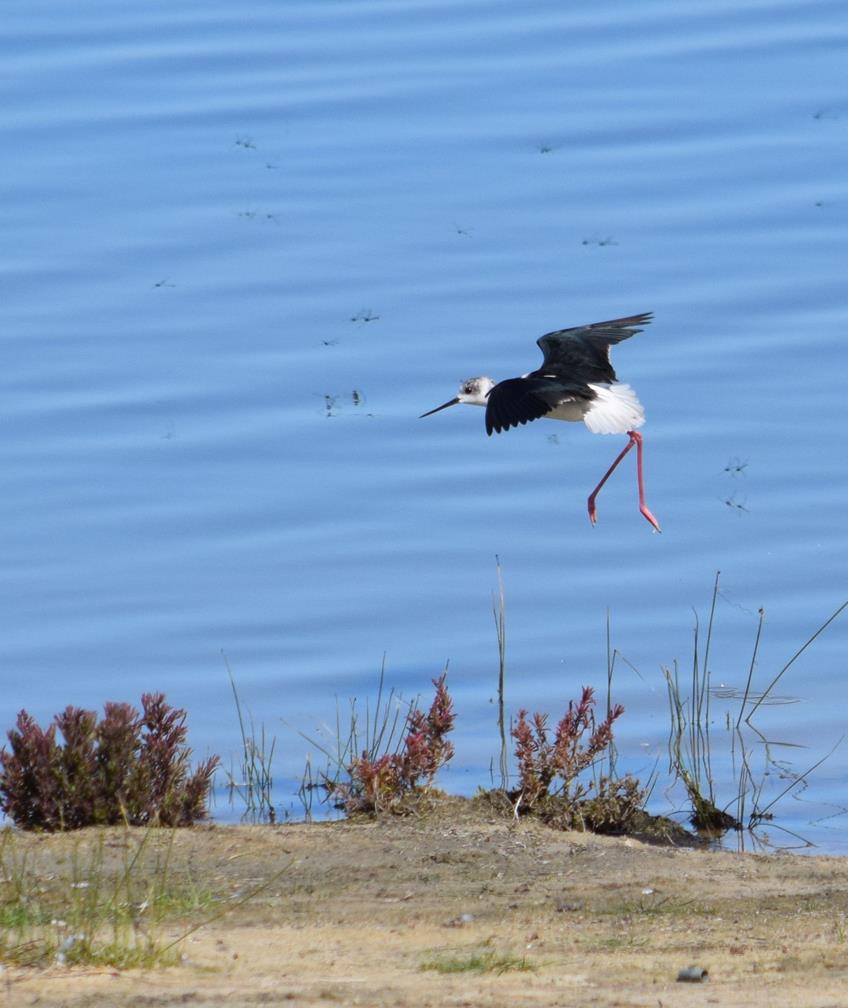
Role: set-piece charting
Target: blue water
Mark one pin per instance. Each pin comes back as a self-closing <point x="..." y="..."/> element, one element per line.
<point x="245" y="247"/>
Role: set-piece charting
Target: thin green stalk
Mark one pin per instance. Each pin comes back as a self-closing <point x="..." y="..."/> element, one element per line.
<point x="499" y="611"/>
<point x="762" y="616"/>
<point x="694" y="725"/>
<point x="759" y="814"/>
<point x="257" y="759"/>
<point x="611" y="654"/>
<point x="706" y="687"/>
<point x="794" y="658"/>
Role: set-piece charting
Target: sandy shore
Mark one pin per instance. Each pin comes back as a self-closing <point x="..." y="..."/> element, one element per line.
<point x="362" y="909"/>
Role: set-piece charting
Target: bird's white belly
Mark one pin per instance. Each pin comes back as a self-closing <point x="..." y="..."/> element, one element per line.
<point x="614" y="410"/>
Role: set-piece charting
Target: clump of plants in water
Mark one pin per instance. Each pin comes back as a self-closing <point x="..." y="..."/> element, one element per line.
<point x="552" y="768"/>
<point x="690" y="744"/>
<point x="128" y="767"/>
<point x="381" y="782"/>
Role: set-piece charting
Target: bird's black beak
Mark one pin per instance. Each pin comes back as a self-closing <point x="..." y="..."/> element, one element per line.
<point x="445" y="405"/>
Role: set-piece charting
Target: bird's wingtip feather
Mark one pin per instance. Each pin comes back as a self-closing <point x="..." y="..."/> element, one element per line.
<point x="643" y="318"/>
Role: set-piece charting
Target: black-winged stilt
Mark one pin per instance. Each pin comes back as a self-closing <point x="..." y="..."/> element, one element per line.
<point x="575" y="382"/>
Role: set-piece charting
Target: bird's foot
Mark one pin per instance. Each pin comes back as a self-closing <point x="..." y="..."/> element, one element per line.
<point x="646" y="513"/>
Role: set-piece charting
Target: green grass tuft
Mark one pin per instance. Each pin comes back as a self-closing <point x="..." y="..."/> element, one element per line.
<point x="99" y="907"/>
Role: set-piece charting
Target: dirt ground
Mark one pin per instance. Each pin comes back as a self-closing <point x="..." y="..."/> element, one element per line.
<point x="362" y="908"/>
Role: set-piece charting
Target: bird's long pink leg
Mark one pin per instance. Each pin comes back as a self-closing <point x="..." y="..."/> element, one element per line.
<point x="593" y="516"/>
<point x="643" y="507"/>
<point x="635" y="439"/>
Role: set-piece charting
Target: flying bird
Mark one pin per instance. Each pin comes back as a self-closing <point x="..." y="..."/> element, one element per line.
<point x="575" y="382"/>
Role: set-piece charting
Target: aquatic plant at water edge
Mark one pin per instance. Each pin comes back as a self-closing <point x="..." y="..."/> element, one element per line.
<point x="754" y="756"/>
<point x="550" y="769"/>
<point x="378" y="783"/>
<point x="255" y="781"/>
<point x="542" y="760"/>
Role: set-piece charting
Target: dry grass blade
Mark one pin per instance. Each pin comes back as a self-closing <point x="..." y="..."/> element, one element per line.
<point x="252" y="894"/>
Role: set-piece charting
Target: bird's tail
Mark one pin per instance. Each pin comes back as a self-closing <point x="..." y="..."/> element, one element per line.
<point x="614" y="410"/>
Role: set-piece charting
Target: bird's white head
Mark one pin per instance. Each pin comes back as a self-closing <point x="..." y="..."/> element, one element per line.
<point x="473" y="391"/>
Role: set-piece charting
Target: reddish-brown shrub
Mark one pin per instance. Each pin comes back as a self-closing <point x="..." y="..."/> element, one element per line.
<point x="379" y="783"/>
<point x="542" y="760"/>
<point x="127" y="767"/>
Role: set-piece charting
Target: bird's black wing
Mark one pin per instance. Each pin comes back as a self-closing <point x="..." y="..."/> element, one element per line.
<point x="519" y="400"/>
<point x="583" y="352"/>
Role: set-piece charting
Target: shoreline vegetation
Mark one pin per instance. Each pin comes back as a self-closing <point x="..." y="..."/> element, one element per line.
<point x="555" y="879"/>
<point x="133" y="767"/>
